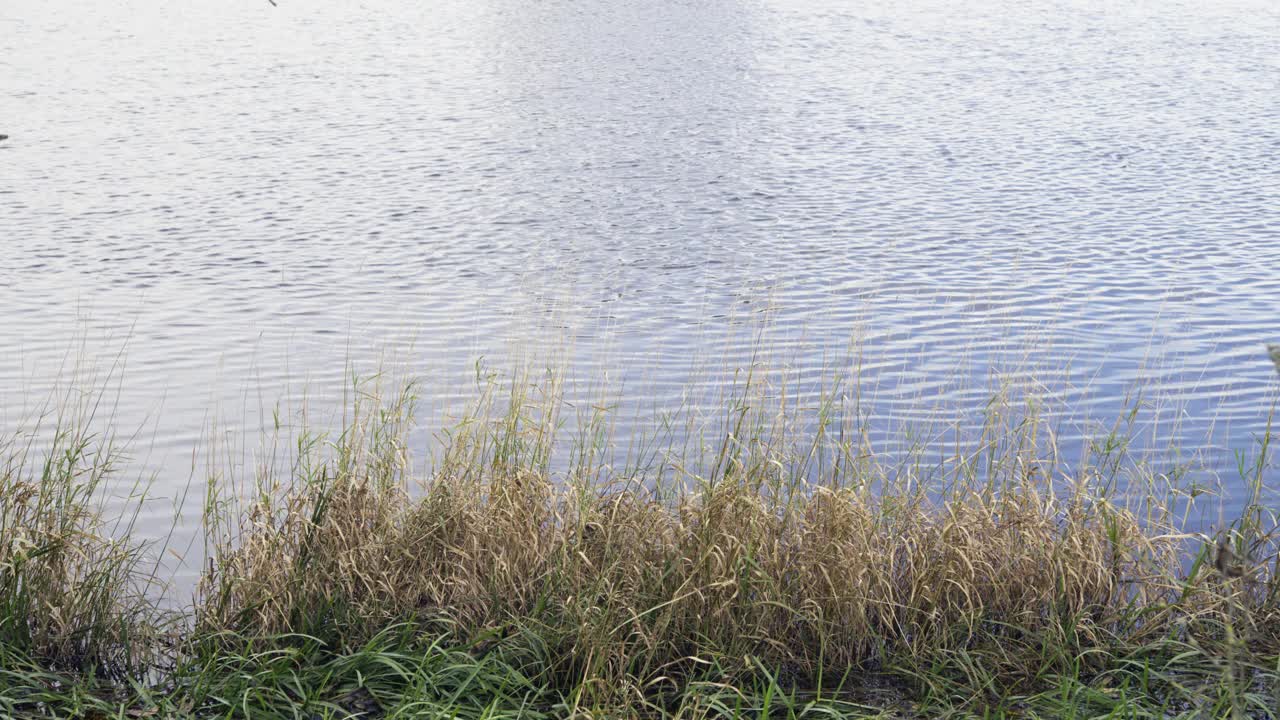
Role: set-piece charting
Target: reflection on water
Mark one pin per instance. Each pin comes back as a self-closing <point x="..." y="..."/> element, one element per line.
<point x="251" y="198"/>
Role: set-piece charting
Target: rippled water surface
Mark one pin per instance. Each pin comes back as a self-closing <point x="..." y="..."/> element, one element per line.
<point x="247" y="199"/>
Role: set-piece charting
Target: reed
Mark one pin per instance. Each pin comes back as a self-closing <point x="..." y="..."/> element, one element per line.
<point x="767" y="561"/>
<point x="73" y="586"/>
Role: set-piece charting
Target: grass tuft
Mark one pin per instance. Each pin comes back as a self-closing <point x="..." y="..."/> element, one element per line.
<point x="765" y="572"/>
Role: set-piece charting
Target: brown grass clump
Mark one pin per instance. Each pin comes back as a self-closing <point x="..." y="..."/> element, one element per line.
<point x="629" y="584"/>
<point x="728" y="561"/>
<point x="72" y="591"/>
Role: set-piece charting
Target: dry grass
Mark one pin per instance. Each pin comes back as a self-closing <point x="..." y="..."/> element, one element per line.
<point x="73" y="592"/>
<point x="776" y="544"/>
<point x="993" y="563"/>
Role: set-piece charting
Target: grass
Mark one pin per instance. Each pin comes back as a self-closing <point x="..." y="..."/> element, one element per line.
<point x="766" y="563"/>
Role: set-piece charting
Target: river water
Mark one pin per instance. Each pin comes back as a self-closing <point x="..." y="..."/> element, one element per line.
<point x="239" y="202"/>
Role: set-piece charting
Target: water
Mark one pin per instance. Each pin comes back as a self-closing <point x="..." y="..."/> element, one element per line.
<point x="249" y="199"/>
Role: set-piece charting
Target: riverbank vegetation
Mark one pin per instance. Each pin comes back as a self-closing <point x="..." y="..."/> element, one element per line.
<point x="774" y="563"/>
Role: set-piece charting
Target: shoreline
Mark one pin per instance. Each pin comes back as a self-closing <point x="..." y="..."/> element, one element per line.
<point x="731" y="580"/>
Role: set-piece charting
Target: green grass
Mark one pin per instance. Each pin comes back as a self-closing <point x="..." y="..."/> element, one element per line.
<point x="768" y="562"/>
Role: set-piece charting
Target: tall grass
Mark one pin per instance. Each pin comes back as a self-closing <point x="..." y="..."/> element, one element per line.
<point x="73" y="585"/>
<point x="769" y="561"/>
